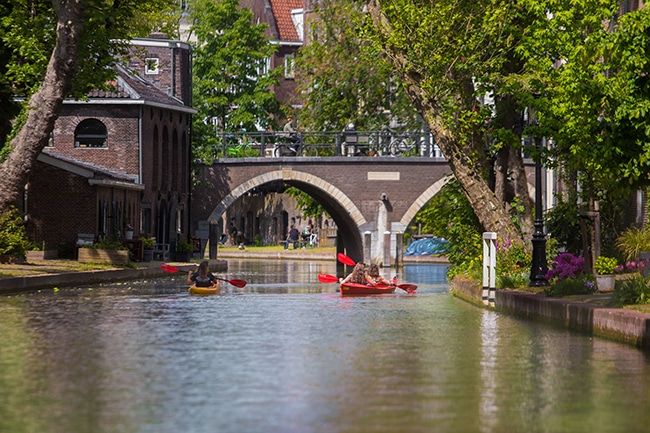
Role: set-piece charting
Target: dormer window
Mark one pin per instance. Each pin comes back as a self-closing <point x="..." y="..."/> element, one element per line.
<point x="91" y="133"/>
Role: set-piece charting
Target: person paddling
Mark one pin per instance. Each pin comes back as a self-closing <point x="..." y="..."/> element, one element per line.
<point x="202" y="277"/>
<point x="373" y="277"/>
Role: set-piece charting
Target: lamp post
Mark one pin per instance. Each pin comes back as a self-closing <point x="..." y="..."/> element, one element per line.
<point x="538" y="265"/>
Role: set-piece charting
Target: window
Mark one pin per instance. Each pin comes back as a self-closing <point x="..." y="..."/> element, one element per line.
<point x="90" y="133"/>
<point x="288" y="66"/>
<point x="151" y="66"/>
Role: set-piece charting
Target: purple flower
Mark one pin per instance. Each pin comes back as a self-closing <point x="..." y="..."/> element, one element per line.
<point x="565" y="266"/>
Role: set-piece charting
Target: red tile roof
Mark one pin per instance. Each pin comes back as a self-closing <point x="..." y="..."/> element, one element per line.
<point x="282" y="13"/>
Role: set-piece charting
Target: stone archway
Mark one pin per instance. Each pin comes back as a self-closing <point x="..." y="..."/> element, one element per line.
<point x="344" y="212"/>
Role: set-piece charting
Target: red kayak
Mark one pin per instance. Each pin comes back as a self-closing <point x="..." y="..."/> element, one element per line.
<point x="365" y="289"/>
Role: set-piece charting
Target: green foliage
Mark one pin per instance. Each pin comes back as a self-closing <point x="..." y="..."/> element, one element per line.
<point x="109" y="243"/>
<point x="230" y="91"/>
<point x="632" y="291"/>
<point x="605" y="265"/>
<point x="184" y="247"/>
<point x="13" y="239"/>
<point x="513" y="266"/>
<point x="343" y="79"/>
<point x="449" y="215"/>
<point x="309" y="207"/>
<point x="584" y="284"/>
<point x="147" y="242"/>
<point x="562" y="223"/>
<point x="633" y="241"/>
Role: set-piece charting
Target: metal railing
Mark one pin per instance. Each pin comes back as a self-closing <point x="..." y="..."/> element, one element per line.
<point x="347" y="143"/>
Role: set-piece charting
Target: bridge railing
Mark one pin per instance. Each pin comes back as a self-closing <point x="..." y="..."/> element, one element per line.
<point x="383" y="143"/>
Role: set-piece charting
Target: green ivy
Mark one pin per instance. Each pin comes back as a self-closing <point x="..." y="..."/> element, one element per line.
<point x="13" y="239"/>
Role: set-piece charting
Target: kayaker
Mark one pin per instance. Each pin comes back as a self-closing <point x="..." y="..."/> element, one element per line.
<point x="357" y="276"/>
<point x="373" y="277"/>
<point x="202" y="277"/>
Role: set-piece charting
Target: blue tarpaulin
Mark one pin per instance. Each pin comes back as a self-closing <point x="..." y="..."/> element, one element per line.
<point x="423" y="247"/>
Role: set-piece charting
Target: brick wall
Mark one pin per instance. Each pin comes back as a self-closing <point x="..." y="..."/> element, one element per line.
<point x="121" y="153"/>
<point x="59" y="205"/>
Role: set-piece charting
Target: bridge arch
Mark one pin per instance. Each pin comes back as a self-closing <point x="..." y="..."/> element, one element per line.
<point x="347" y="215"/>
<point x="427" y="195"/>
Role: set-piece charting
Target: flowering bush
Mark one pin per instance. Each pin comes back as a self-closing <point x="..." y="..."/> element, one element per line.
<point x="129" y="227"/>
<point x="631" y="267"/>
<point x="564" y="266"/>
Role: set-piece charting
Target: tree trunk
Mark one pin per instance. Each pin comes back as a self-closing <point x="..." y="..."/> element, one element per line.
<point x="44" y="106"/>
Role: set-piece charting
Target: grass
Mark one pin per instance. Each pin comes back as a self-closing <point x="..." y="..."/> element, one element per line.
<point x="279" y="249"/>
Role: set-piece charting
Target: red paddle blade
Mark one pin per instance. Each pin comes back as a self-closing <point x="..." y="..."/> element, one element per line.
<point x="168" y="268"/>
<point x="345" y="259"/>
<point x="238" y="283"/>
<point x="325" y="278"/>
<point x="408" y="288"/>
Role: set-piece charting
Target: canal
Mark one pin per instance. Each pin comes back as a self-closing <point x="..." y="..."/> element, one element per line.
<point x="287" y="354"/>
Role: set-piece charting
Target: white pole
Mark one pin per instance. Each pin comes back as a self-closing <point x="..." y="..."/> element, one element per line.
<point x="489" y="267"/>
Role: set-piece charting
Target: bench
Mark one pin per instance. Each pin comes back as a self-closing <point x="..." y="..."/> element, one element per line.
<point x="161" y="251"/>
<point x="85" y="239"/>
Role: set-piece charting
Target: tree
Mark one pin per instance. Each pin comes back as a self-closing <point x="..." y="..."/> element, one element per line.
<point x="81" y="58"/>
<point x="340" y="82"/>
<point x="231" y="83"/>
<point x="449" y="57"/>
<point x="589" y="68"/>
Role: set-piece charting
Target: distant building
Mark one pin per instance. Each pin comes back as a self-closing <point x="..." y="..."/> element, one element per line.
<point x="120" y="158"/>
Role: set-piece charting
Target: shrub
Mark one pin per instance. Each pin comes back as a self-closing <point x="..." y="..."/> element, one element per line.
<point x="633" y="241"/>
<point x="633" y="290"/>
<point x="147" y="242"/>
<point x="184" y="247"/>
<point x="513" y="266"/>
<point x="13" y="239"/>
<point x="565" y="266"/>
<point x="109" y="243"/>
<point x="580" y="285"/>
<point x="605" y="265"/>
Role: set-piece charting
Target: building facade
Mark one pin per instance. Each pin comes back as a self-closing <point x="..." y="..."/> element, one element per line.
<point x="120" y="159"/>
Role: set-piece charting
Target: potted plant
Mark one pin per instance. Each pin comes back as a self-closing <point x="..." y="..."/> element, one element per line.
<point x="128" y="231"/>
<point x="147" y="248"/>
<point x="605" y="267"/>
<point x="184" y="251"/>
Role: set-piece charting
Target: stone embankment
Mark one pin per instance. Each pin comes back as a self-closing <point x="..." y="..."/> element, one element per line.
<point x="65" y="278"/>
<point x="587" y="315"/>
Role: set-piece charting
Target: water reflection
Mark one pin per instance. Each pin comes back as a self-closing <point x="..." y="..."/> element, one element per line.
<point x="287" y="354"/>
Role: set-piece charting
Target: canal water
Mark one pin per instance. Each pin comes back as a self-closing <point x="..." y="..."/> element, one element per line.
<point x="287" y="354"/>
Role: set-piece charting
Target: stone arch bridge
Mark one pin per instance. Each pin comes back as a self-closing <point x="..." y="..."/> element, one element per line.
<point x="371" y="199"/>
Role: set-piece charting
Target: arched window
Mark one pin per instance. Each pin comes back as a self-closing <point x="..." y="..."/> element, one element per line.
<point x="90" y="133"/>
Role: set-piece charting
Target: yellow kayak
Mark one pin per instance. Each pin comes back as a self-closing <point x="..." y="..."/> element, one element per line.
<point x="204" y="290"/>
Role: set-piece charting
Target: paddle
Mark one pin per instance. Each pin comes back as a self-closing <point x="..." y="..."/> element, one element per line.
<point x="345" y="259"/>
<point x="326" y="278"/>
<point x="409" y="288"/>
<point x="235" y="282"/>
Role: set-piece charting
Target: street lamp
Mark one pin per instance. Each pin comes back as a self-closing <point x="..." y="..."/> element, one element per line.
<point x="538" y="265"/>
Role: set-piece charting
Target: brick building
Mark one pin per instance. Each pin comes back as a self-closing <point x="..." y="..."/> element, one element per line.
<point x="121" y="157"/>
